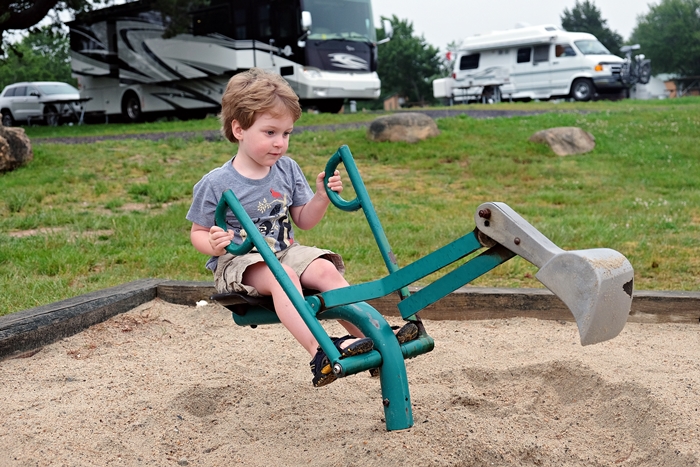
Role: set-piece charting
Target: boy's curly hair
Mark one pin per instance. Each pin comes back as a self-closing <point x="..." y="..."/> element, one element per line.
<point x="252" y="93"/>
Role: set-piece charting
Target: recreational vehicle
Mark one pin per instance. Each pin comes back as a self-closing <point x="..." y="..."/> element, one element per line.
<point x="537" y="62"/>
<point x="325" y="49"/>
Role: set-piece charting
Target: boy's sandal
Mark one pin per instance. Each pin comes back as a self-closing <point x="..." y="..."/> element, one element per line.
<point x="321" y="369"/>
<point x="321" y="365"/>
<point x="407" y="333"/>
<point x="358" y="347"/>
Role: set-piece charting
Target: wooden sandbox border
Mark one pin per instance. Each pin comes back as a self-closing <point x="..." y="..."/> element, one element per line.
<point x="24" y="332"/>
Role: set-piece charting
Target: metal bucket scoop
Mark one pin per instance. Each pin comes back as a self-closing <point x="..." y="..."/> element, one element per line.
<point x="596" y="284"/>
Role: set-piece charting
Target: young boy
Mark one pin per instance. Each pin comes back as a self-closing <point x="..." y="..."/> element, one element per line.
<point x="258" y="111"/>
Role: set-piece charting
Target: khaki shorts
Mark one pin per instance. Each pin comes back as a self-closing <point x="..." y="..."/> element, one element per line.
<point x="228" y="276"/>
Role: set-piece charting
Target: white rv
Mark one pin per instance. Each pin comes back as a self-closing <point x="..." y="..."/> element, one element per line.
<point x="325" y="49"/>
<point x="538" y="62"/>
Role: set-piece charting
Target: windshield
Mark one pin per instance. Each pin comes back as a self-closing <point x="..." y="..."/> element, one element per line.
<point x="346" y="19"/>
<point x="57" y="88"/>
<point x="592" y="48"/>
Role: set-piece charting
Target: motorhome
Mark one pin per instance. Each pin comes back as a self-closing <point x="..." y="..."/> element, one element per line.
<point x="325" y="49"/>
<point x="536" y="62"/>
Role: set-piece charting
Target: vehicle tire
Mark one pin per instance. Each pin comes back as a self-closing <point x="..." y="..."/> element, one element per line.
<point x="644" y="72"/>
<point x="131" y="108"/>
<point x="7" y="119"/>
<point x="582" y="90"/>
<point x="51" y="115"/>
<point x="332" y="106"/>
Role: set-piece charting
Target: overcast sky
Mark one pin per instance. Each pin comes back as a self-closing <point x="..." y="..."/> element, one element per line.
<point x="444" y="21"/>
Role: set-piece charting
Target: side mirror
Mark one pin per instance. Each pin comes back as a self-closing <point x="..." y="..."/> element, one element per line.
<point x="306" y="20"/>
<point x="388" y="31"/>
<point x="388" y="28"/>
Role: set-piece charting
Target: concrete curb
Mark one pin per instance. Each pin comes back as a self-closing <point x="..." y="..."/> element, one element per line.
<point x="31" y="329"/>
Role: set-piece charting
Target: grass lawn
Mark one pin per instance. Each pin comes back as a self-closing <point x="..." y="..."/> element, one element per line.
<point x="83" y="217"/>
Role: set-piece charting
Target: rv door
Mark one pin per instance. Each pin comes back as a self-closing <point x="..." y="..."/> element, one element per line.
<point x="541" y="68"/>
<point x="564" y="66"/>
<point x="521" y="76"/>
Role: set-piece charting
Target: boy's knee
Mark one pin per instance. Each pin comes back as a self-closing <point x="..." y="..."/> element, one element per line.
<point x="290" y="272"/>
<point x="324" y="266"/>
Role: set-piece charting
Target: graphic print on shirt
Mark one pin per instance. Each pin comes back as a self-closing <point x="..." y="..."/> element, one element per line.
<point x="274" y="221"/>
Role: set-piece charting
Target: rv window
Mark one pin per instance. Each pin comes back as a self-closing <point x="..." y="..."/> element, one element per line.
<point x="240" y="22"/>
<point x="592" y="48"/>
<point x="564" y="50"/>
<point x="524" y="55"/>
<point x="469" y="62"/>
<point x="211" y="20"/>
<point x="541" y="53"/>
<point x="264" y="24"/>
<point x="85" y="41"/>
<point x="9" y="93"/>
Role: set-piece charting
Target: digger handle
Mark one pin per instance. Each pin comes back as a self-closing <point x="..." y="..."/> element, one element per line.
<point x="343" y="155"/>
<point x="228" y="199"/>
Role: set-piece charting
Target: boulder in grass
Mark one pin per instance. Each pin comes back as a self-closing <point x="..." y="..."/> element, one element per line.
<point x="410" y="127"/>
<point x="15" y="148"/>
<point x="566" y="140"/>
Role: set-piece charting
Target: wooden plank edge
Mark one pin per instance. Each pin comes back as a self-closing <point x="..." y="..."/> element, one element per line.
<point x="30" y="329"/>
<point x="470" y="303"/>
<point x="36" y="327"/>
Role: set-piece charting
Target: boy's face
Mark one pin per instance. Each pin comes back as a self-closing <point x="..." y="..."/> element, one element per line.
<point x="266" y="141"/>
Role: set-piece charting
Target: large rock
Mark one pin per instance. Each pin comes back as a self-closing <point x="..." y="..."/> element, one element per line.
<point x="565" y="140"/>
<point x="404" y="126"/>
<point x="15" y="148"/>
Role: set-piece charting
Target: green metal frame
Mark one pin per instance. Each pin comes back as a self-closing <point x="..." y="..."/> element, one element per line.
<point x="349" y="303"/>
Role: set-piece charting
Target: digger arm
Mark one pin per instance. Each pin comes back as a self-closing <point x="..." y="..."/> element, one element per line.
<point x="596" y="285"/>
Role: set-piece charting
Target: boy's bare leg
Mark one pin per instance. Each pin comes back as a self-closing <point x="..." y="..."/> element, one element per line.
<point x="322" y="275"/>
<point x="259" y="276"/>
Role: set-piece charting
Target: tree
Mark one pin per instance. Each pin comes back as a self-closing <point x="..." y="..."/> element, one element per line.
<point x="670" y="36"/>
<point x="407" y="64"/>
<point x="586" y="17"/>
<point x="24" y="15"/>
<point x="42" y="56"/>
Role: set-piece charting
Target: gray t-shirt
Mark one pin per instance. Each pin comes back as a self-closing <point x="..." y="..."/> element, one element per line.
<point x="267" y="201"/>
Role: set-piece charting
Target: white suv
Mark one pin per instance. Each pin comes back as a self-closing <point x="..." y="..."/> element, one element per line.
<point x="44" y="101"/>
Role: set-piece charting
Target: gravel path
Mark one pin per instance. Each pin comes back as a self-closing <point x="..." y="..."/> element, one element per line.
<point x="213" y="135"/>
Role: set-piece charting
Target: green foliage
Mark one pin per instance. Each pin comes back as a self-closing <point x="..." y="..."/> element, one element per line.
<point x="43" y="55"/>
<point x="670" y="36"/>
<point x="407" y="64"/>
<point x="586" y="17"/>
<point x="21" y="15"/>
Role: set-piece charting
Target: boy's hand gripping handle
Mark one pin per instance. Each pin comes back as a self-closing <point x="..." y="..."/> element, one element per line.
<point x="344" y="155"/>
<point x="228" y="199"/>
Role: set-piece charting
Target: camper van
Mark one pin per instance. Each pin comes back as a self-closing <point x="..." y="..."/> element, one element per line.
<point x="325" y="49"/>
<point x="537" y="62"/>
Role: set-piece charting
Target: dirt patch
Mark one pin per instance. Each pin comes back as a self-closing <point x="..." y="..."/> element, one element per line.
<point x="175" y="385"/>
<point x="55" y="230"/>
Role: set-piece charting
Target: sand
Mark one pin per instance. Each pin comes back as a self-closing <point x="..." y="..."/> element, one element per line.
<point x="169" y="385"/>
